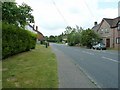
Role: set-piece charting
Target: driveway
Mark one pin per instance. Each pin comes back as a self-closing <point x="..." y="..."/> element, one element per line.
<point x="86" y="68"/>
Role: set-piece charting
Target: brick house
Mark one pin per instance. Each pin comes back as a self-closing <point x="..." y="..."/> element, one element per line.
<point x="40" y="36"/>
<point x="109" y="31"/>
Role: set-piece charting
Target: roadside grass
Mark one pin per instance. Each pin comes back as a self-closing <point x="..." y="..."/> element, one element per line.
<point x="112" y="49"/>
<point x="34" y="69"/>
<point x="0" y="74"/>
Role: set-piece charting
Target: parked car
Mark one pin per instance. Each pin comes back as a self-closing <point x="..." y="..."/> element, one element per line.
<point x="99" y="46"/>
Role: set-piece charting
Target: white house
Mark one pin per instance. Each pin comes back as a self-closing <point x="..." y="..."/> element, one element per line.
<point x="30" y="28"/>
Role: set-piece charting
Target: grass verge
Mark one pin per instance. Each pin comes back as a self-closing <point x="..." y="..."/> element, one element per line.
<point x="34" y="69"/>
<point x="0" y="74"/>
<point x="112" y="49"/>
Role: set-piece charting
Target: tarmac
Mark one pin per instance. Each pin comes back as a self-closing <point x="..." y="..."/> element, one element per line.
<point x="70" y="76"/>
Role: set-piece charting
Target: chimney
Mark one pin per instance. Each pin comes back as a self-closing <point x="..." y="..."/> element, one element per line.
<point x="95" y="23"/>
<point x="36" y="28"/>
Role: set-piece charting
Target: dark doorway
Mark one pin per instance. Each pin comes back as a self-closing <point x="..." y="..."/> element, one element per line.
<point x="108" y="42"/>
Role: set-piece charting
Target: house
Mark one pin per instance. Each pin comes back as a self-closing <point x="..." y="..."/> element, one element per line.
<point x="40" y="36"/>
<point x="96" y="26"/>
<point x="109" y="31"/>
<point x="30" y="28"/>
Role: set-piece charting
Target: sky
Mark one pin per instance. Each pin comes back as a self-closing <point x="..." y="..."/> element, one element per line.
<point x="53" y="16"/>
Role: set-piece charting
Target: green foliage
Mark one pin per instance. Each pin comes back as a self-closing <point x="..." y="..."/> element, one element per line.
<point x="68" y="30"/>
<point x="34" y="69"/>
<point x="88" y="37"/>
<point x="59" y="38"/>
<point x="52" y="38"/>
<point x="17" y="15"/>
<point x="73" y="35"/>
<point x="9" y="12"/>
<point x="16" y="40"/>
<point x="79" y="36"/>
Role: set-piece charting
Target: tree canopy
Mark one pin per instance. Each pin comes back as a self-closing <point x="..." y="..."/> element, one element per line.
<point x="81" y="37"/>
<point x="19" y="15"/>
<point x="88" y="37"/>
<point x="73" y="35"/>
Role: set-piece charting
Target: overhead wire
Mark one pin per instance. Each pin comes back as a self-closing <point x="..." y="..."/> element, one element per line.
<point x="59" y="12"/>
<point x="90" y="11"/>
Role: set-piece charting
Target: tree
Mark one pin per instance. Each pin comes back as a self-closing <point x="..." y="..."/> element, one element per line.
<point x="73" y="35"/>
<point x="88" y="37"/>
<point x="17" y="15"/>
<point x="10" y="12"/>
<point x="59" y="38"/>
<point x="52" y="39"/>
<point x="25" y="15"/>
<point x="68" y="30"/>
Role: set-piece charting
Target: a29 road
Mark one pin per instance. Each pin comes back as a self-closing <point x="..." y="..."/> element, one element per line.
<point x="100" y="65"/>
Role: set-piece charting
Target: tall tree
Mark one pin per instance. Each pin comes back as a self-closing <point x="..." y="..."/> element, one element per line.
<point x="68" y="30"/>
<point x="19" y="15"/>
<point x="25" y="15"/>
<point x="52" y="38"/>
<point x="88" y="37"/>
<point x="10" y="12"/>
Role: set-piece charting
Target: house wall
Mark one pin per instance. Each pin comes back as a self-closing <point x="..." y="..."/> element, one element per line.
<point x="106" y="33"/>
<point x="117" y="34"/>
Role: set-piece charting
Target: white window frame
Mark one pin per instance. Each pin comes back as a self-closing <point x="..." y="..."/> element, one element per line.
<point x="118" y="26"/>
<point x="118" y="40"/>
<point x="106" y="30"/>
<point x="101" y="31"/>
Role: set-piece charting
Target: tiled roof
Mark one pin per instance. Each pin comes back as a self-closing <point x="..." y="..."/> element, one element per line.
<point x="112" y="22"/>
<point x="115" y="22"/>
<point x="109" y="21"/>
<point x="35" y="30"/>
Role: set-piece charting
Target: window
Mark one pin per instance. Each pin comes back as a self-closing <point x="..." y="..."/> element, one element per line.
<point x="101" y="32"/>
<point x="118" y="40"/>
<point x="106" y="31"/>
<point x="119" y="26"/>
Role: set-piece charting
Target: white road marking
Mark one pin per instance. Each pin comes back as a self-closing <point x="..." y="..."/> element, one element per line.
<point x="104" y="51"/>
<point x="110" y="59"/>
<point x="87" y="52"/>
<point x="96" y="50"/>
<point x="110" y="53"/>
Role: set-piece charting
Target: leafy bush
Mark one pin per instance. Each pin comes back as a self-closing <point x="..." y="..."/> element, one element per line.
<point x="88" y="37"/>
<point x="16" y="40"/>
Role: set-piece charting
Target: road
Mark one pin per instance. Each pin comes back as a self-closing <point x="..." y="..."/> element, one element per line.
<point x="101" y="66"/>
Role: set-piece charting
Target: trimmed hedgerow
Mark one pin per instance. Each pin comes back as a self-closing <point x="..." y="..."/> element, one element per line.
<point x="16" y="40"/>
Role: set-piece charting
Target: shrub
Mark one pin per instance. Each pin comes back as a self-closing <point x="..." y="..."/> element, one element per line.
<point x="16" y="40"/>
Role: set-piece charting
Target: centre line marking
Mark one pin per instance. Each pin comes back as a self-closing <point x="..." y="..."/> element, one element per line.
<point x="110" y="59"/>
<point x="87" y="52"/>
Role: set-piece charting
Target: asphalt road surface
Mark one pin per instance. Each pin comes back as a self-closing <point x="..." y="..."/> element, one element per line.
<point x="100" y="66"/>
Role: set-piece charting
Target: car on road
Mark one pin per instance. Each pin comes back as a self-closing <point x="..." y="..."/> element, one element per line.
<point x="99" y="46"/>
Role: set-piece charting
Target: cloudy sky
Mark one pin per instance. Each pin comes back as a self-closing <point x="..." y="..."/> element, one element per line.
<point x="52" y="16"/>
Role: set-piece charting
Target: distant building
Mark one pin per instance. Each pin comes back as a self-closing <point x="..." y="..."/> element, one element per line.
<point x="40" y="36"/>
<point x="30" y="28"/>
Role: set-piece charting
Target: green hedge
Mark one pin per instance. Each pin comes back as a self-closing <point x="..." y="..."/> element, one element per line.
<point x="16" y="40"/>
